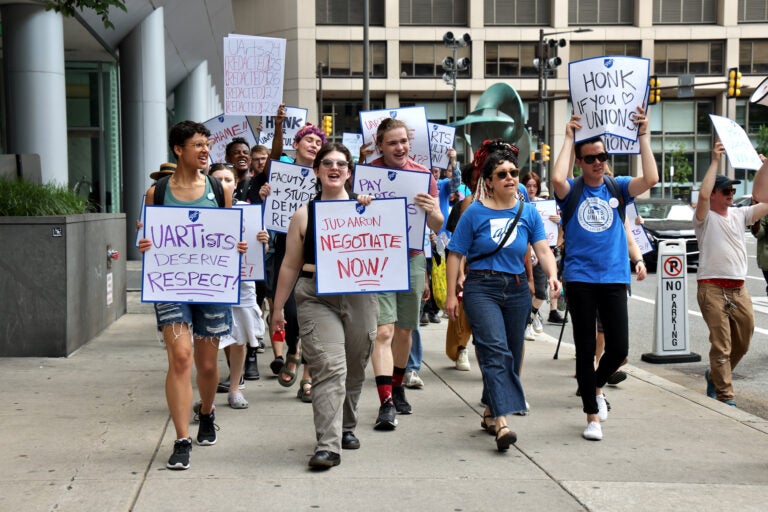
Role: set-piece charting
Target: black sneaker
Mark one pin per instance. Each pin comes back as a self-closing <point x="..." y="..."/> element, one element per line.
<point x="401" y="403"/>
<point x="387" y="417"/>
<point x="260" y="345"/>
<point x="180" y="457"/>
<point x="206" y="432"/>
<point x="251" y="371"/>
<point x="223" y="386"/>
<point x="349" y="441"/>
<point x="555" y="318"/>
<point x="424" y="320"/>
<point x="616" y="377"/>
<point x="433" y="318"/>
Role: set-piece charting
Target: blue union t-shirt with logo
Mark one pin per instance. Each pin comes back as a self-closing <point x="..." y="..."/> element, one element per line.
<point x="595" y="239"/>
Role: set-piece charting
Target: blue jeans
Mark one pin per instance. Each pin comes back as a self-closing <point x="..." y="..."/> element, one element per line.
<point x="417" y="350"/>
<point x="207" y="320"/>
<point x="498" y="307"/>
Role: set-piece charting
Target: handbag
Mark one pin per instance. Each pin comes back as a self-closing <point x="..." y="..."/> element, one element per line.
<point x="503" y="240"/>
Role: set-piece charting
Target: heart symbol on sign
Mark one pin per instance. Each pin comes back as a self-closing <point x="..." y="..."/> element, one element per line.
<point x="608" y="62"/>
<point x="627" y="97"/>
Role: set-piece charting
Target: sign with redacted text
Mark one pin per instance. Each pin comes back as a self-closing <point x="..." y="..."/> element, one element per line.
<point x="605" y="92"/>
<point x="252" y="267"/>
<point x="295" y="118"/>
<point x="441" y="138"/>
<point x="741" y="153"/>
<point x="292" y="186"/>
<point x="223" y="130"/>
<point x="253" y="75"/>
<point x="193" y="257"/>
<point x="415" y="118"/>
<point x="361" y="249"/>
<point x="383" y="183"/>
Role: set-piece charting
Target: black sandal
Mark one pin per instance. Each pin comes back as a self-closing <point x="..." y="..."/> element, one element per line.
<point x="276" y="365"/>
<point x="504" y="441"/>
<point x="491" y="429"/>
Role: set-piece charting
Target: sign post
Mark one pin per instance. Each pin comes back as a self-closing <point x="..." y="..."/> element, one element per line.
<point x="671" y="316"/>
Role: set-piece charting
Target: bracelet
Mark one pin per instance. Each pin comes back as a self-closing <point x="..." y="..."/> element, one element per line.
<point x="641" y="134"/>
<point x="637" y="262"/>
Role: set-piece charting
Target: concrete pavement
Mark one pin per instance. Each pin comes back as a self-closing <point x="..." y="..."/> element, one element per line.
<point x="92" y="432"/>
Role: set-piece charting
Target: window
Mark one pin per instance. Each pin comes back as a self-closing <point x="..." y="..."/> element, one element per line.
<point x="672" y="12"/>
<point x="751" y="116"/>
<point x="753" y="11"/>
<point x="433" y="12"/>
<point x="601" y="12"/>
<point x="348" y="12"/>
<point x="581" y="50"/>
<point x="346" y="114"/>
<point x="678" y="58"/>
<point x="346" y="59"/>
<point x="753" y="57"/>
<point x="424" y="60"/>
<point x="510" y="60"/>
<point x="517" y="12"/>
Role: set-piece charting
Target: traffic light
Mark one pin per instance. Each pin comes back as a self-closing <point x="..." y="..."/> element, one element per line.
<point x="534" y="156"/>
<point x="545" y="150"/>
<point x="654" y="94"/>
<point x="734" y="83"/>
<point x="328" y="125"/>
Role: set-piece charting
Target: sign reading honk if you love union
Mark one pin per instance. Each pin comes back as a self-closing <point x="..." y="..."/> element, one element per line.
<point x="605" y="92"/>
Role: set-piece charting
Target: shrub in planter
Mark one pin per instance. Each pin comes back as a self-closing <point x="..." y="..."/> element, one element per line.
<point x="19" y="198"/>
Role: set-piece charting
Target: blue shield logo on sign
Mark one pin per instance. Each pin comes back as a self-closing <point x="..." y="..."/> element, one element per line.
<point x="304" y="173"/>
<point x="393" y="114"/>
<point x="193" y="215"/>
<point x="360" y="208"/>
<point x="391" y="175"/>
<point x="608" y="63"/>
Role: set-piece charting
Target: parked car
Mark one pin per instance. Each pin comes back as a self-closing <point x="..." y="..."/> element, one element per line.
<point x="743" y="201"/>
<point x="668" y="219"/>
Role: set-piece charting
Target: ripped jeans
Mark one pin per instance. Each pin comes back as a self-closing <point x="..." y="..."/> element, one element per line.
<point x="207" y="320"/>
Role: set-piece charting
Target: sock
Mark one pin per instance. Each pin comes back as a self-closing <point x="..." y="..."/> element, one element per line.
<point x="534" y="311"/>
<point x="384" y="387"/>
<point x="397" y="376"/>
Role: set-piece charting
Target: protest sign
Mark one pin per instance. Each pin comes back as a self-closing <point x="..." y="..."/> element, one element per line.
<point x="295" y="118"/>
<point x="252" y="266"/>
<point x="292" y="186"/>
<point x="547" y="208"/>
<point x="353" y="141"/>
<point x="741" y="153"/>
<point x="193" y="257"/>
<point x="619" y="146"/>
<point x="638" y="232"/>
<point x="139" y="231"/>
<point x="223" y="130"/>
<point x="253" y="75"/>
<point x="384" y="183"/>
<point x="605" y="92"/>
<point x="441" y="138"/>
<point x="415" y="118"/>
<point x="361" y="249"/>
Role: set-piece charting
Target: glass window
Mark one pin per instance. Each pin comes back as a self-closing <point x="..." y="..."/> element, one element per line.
<point x="581" y="50"/>
<point x="673" y="12"/>
<point x="346" y="114"/>
<point x="433" y="12"/>
<point x="753" y="57"/>
<point x="677" y="58"/>
<point x="753" y="11"/>
<point x="424" y="60"/>
<point x="517" y="12"/>
<point x="346" y="59"/>
<point x="601" y="12"/>
<point x="348" y="12"/>
<point x="510" y="59"/>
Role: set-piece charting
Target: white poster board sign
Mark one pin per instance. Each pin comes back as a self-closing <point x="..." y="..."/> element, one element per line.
<point x="441" y="139"/>
<point x="352" y="141"/>
<point x="223" y="130"/>
<point x="252" y="266"/>
<point x="361" y="249"/>
<point x="384" y="183"/>
<point x="741" y="153"/>
<point x="638" y="232"/>
<point x="295" y="118"/>
<point x="605" y="92"/>
<point x="415" y="118"/>
<point x="547" y="208"/>
<point x="619" y="146"/>
<point x="194" y="255"/>
<point x="292" y="186"/>
<point x="253" y="75"/>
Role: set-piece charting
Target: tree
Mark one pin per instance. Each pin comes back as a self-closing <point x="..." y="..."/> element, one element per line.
<point x="68" y="7"/>
<point x="762" y="140"/>
<point x="683" y="168"/>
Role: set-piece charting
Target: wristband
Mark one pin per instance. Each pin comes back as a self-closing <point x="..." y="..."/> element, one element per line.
<point x="636" y="262"/>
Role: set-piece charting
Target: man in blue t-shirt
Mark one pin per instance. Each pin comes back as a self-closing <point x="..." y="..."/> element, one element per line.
<point x="595" y="267"/>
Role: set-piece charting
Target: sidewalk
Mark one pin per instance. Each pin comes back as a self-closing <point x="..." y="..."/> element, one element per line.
<point x="92" y="432"/>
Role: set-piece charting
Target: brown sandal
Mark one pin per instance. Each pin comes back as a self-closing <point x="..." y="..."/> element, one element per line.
<point x="488" y="427"/>
<point x="504" y="441"/>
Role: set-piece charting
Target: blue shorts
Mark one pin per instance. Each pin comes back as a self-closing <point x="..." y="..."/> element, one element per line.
<point x="207" y="320"/>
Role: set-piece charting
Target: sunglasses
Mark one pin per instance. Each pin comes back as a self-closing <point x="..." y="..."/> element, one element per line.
<point x="728" y="191"/>
<point x="341" y="164"/>
<point x="590" y="159"/>
<point x="502" y="175"/>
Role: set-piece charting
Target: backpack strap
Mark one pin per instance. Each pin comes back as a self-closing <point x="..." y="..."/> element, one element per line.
<point x="569" y="208"/>
<point x="615" y="190"/>
<point x="218" y="190"/>
<point x="162" y="184"/>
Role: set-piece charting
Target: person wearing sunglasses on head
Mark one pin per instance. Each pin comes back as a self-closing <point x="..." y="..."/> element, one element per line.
<point x="723" y="299"/>
<point x="595" y="266"/>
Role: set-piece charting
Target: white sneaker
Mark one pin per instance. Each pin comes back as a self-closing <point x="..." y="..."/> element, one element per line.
<point x="462" y="362"/>
<point x="593" y="432"/>
<point x="529" y="335"/>
<point x="538" y="328"/>
<point x="237" y="401"/>
<point x="412" y="380"/>
<point x="602" y="407"/>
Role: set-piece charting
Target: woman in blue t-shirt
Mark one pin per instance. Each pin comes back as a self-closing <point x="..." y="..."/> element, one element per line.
<point x="497" y="300"/>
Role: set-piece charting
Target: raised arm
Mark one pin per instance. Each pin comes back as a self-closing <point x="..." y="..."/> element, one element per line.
<point x="708" y="182"/>
<point x="564" y="160"/>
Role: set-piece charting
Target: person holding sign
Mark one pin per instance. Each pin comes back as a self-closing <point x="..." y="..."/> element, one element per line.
<point x="399" y="311"/>
<point x="493" y="234"/>
<point x="336" y="330"/>
<point x="597" y="280"/>
<point x="725" y="303"/>
<point x="183" y="323"/>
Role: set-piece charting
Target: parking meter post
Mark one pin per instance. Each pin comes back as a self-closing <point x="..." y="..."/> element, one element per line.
<point x="670" y="319"/>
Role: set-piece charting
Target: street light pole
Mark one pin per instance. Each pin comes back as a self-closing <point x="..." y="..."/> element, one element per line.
<point x="452" y="65"/>
<point x="320" y="67"/>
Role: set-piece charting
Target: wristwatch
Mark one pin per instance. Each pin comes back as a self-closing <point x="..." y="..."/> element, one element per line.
<point x="641" y="260"/>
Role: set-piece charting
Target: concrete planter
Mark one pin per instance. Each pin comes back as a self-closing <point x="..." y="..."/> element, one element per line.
<point x="54" y="278"/>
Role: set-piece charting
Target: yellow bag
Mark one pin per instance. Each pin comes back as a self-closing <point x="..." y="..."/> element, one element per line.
<point x="439" y="290"/>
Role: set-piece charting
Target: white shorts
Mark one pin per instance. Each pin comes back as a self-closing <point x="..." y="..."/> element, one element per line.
<point x="247" y="326"/>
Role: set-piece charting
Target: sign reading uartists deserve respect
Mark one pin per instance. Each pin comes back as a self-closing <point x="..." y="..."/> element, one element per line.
<point x="415" y="118"/>
<point x="252" y="267"/>
<point x="295" y="118"/>
<point x="292" y="186"/>
<point x="194" y="255"/>
<point x="223" y="130"/>
<point x="253" y="75"/>
<point x="605" y="92"/>
<point x="383" y="183"/>
<point x="441" y="138"/>
<point x="361" y="249"/>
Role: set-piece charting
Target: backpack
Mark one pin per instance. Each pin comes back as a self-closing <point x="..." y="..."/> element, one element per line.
<point x="569" y="208"/>
<point x="162" y="184"/>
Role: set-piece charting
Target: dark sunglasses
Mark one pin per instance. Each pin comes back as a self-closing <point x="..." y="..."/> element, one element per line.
<point x="728" y="191"/>
<point x="590" y="159"/>
<point x="502" y="175"/>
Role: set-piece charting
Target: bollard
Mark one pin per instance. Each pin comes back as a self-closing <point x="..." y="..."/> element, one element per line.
<point x="670" y="319"/>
